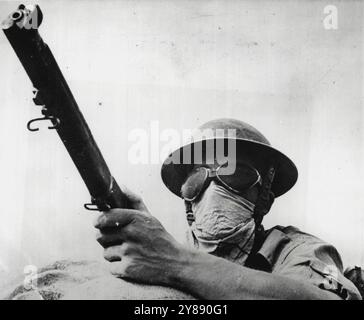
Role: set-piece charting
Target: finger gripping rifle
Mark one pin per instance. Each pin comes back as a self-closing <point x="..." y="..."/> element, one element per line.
<point x="60" y="107"/>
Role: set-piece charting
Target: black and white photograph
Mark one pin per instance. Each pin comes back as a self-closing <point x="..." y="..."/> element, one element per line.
<point x="182" y="150"/>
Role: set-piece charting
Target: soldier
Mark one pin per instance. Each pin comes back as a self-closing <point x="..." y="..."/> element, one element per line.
<point x="230" y="255"/>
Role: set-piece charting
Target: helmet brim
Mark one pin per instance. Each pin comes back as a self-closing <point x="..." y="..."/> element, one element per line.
<point x="174" y="174"/>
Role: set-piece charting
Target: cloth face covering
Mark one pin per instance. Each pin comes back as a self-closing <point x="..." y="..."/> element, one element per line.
<point x="224" y="224"/>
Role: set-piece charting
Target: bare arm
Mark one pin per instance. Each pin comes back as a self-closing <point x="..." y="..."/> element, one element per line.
<point x="209" y="277"/>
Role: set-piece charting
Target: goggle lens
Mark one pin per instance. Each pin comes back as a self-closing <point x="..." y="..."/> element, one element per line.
<point x="242" y="179"/>
<point x="194" y="184"/>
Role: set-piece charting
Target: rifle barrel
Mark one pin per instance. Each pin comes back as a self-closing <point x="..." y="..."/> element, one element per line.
<point x="61" y="108"/>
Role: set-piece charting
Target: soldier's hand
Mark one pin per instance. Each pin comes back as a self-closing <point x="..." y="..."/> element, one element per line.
<point x="137" y="244"/>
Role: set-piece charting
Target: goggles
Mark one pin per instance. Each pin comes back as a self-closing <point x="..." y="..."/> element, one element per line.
<point x="244" y="178"/>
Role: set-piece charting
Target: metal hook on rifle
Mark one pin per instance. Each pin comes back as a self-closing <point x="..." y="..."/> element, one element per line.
<point x="55" y="125"/>
<point x="97" y="207"/>
<point x="91" y="207"/>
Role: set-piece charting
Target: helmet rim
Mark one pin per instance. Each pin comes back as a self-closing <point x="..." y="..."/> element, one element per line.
<point x="286" y="175"/>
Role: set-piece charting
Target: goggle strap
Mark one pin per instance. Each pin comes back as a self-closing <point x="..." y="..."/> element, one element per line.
<point x="259" y="179"/>
<point x="261" y="206"/>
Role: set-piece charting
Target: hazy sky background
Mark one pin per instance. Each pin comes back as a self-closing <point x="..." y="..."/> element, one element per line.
<point x="269" y="63"/>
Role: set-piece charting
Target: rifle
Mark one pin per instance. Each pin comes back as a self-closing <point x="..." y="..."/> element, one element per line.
<point x="60" y="107"/>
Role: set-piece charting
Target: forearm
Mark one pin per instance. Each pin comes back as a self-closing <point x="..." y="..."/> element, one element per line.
<point x="209" y="277"/>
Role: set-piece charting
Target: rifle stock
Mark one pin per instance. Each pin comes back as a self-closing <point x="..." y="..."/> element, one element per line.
<point x="60" y="107"/>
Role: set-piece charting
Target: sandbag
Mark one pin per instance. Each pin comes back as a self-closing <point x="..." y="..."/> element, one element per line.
<point x="85" y="280"/>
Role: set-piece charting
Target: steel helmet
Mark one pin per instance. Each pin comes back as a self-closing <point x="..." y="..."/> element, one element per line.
<point x="249" y="141"/>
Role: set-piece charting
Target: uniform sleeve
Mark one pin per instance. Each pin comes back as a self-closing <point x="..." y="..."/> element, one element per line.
<point x="320" y="264"/>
